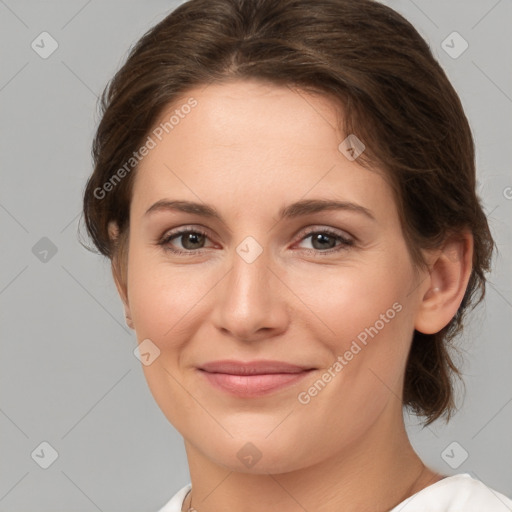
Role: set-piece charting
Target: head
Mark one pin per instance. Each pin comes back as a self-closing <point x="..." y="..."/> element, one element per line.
<point x="249" y="109"/>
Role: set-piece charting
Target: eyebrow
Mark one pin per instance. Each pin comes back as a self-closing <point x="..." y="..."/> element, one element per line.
<point x="297" y="209"/>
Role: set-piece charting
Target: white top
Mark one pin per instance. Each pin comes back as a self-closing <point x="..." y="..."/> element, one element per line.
<point x="457" y="493"/>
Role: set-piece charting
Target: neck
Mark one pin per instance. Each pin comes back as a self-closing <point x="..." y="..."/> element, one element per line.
<point x="376" y="472"/>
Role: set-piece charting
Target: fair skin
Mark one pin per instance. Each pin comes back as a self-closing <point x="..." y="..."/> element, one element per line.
<point x="248" y="149"/>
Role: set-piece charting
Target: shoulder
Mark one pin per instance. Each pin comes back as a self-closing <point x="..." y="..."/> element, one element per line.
<point x="176" y="502"/>
<point x="458" y="493"/>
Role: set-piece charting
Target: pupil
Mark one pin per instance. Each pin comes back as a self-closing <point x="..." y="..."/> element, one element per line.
<point x="194" y="237"/>
<point x="322" y="238"/>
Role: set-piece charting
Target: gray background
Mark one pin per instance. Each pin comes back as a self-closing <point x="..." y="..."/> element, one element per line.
<point x="68" y="374"/>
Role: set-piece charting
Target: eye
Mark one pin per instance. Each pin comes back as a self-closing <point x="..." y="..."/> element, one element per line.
<point x="325" y="241"/>
<point x="192" y="241"/>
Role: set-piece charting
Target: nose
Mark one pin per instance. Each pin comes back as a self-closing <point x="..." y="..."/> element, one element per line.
<point x="251" y="301"/>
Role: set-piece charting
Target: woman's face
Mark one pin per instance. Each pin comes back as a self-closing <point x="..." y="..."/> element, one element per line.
<point x="331" y="291"/>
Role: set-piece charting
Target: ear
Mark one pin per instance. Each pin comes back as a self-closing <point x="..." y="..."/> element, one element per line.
<point x="445" y="286"/>
<point x="113" y="232"/>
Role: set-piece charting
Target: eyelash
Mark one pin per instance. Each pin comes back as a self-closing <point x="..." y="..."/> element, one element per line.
<point x="166" y="239"/>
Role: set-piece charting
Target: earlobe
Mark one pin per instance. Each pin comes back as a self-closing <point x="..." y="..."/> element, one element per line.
<point x="127" y="314"/>
<point x="113" y="232"/>
<point x="122" y="294"/>
<point x="446" y="284"/>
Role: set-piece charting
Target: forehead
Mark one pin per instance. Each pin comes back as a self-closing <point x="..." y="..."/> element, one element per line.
<point x="245" y="114"/>
<point x="250" y="140"/>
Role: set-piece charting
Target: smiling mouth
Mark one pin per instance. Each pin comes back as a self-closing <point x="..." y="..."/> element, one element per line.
<point x="252" y="379"/>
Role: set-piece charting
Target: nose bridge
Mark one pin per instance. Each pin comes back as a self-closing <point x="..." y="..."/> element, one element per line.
<point x="249" y="286"/>
<point x="249" y="301"/>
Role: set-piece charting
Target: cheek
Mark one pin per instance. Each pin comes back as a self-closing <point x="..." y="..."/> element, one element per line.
<point x="363" y="375"/>
<point x="165" y="303"/>
<point x="356" y="302"/>
<point x="163" y="298"/>
<point x="366" y="324"/>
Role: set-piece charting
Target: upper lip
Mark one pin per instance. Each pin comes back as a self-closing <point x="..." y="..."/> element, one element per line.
<point x="259" y="367"/>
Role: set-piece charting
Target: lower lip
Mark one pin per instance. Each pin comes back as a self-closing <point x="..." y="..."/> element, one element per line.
<point x="253" y="385"/>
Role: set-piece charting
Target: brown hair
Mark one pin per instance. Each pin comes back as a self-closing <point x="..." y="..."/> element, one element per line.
<point x="395" y="97"/>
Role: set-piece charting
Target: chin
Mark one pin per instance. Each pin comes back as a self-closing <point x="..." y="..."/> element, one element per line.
<point x="261" y="455"/>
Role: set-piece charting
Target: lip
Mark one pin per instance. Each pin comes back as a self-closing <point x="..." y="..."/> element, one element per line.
<point x="253" y="378"/>
<point x="259" y="367"/>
